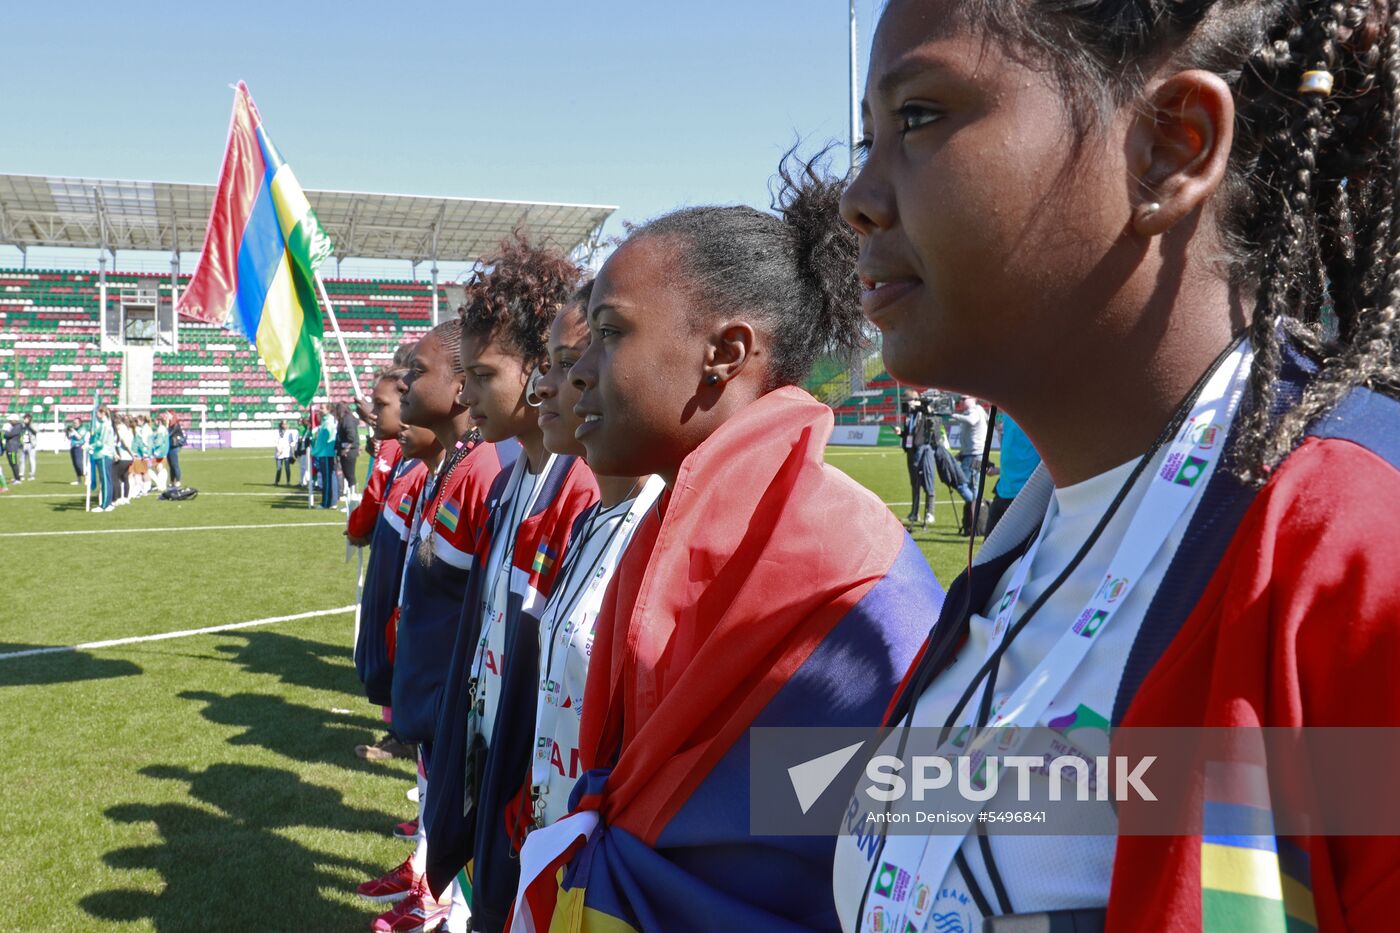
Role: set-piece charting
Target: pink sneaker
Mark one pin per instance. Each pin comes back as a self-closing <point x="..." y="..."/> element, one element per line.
<point x="394" y="886"/>
<point x="416" y="913"/>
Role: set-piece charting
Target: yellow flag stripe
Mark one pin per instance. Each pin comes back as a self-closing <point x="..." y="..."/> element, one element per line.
<point x="1241" y="871"/>
<point x="281" y="323"/>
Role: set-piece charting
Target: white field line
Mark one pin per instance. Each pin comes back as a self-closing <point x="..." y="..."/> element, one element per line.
<point x="115" y="642"/>
<point x="78" y="495"/>
<point x="132" y="531"/>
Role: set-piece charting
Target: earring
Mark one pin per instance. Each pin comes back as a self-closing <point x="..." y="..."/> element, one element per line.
<point x="712" y="379"/>
<point x="1150" y="208"/>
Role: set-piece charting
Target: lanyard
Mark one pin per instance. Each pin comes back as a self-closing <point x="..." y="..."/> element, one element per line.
<point x="1190" y="460"/>
<point x="567" y="623"/>
<point x="513" y="509"/>
<point x="416" y="526"/>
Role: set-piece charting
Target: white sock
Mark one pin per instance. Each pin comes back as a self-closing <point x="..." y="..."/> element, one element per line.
<point x="459" y="915"/>
<point x="419" y="860"/>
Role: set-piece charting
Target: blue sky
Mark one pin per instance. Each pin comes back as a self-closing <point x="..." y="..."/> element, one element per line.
<point x="646" y="105"/>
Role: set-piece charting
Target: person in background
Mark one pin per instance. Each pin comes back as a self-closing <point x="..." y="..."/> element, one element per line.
<point x="123" y="444"/>
<point x="76" y="435"/>
<point x="101" y="447"/>
<point x="1018" y="461"/>
<point x="177" y="441"/>
<point x="285" y="448"/>
<point x="915" y="437"/>
<point x="13" y="430"/>
<point x="347" y="444"/>
<point x="160" y="450"/>
<point x="324" y="453"/>
<point x="302" y="450"/>
<point x="29" y="448"/>
<point x="139" y="474"/>
<point x="973" y="418"/>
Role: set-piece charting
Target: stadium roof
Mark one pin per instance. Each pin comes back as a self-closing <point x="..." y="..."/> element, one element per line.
<point x="98" y="213"/>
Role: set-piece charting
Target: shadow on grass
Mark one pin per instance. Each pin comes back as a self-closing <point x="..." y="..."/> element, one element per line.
<point x="303" y="662"/>
<point x="239" y="868"/>
<point x="299" y="502"/>
<point x="64" y="505"/>
<point x="294" y="730"/>
<point x="59" y="667"/>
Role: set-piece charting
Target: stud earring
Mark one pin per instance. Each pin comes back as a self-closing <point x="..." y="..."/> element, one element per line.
<point x="712" y="380"/>
<point x="1150" y="208"/>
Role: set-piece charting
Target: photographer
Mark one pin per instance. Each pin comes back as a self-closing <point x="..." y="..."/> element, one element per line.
<point x="918" y="432"/>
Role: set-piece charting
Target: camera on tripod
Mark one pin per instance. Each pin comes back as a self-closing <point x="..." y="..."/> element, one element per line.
<point x="933" y="402"/>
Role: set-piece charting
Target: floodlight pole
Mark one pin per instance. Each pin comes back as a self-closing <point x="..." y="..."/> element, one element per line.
<point x="855" y="91"/>
<point x="434" y="269"/>
<point x="101" y="265"/>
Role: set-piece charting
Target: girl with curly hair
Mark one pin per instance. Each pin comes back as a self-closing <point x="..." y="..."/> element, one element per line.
<point x="485" y="731"/>
<point x="1161" y="234"/>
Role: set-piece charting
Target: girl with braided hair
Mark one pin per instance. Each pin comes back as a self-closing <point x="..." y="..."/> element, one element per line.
<point x="1175" y="217"/>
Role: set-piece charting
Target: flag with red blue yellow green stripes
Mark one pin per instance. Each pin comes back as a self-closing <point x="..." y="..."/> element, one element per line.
<point x="261" y="251"/>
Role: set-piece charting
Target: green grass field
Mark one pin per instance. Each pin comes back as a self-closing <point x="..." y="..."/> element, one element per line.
<point x="207" y="782"/>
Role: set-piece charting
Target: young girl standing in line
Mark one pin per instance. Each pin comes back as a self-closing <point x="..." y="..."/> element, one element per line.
<point x="600" y="538"/>
<point x="449" y="520"/>
<point x="486" y="729"/>
<point x="1160" y="235"/>
<point x="738" y="603"/>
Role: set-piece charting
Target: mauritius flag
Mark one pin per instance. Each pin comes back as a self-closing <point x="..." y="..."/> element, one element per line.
<point x="740" y="608"/>
<point x="261" y="252"/>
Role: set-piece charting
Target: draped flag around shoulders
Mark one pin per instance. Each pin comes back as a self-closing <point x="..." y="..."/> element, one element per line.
<point x="261" y="251"/>
<point x="733" y="607"/>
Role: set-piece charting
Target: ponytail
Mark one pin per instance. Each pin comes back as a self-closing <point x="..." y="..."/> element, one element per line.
<point x="793" y="273"/>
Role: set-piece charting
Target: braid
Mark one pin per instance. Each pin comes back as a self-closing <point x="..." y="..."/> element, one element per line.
<point x="1293" y="255"/>
<point x="1369" y="357"/>
<point x="1307" y="208"/>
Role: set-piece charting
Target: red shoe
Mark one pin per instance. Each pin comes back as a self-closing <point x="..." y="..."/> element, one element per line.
<point x="416" y="913"/>
<point x="406" y="830"/>
<point x="395" y="886"/>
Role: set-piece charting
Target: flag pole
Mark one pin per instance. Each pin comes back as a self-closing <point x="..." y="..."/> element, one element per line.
<point x="339" y="338"/>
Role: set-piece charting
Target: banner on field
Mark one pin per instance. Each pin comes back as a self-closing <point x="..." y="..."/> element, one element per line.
<point x="855" y="435"/>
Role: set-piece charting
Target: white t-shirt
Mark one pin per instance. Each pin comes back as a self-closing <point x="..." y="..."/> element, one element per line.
<point x="1041" y="873"/>
<point x="974" y="429"/>
<point x="566" y="645"/>
<point x="515" y="505"/>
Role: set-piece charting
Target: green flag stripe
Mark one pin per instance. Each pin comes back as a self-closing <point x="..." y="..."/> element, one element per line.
<point x="304" y="368"/>
<point x="308" y="244"/>
<point x="1227" y="912"/>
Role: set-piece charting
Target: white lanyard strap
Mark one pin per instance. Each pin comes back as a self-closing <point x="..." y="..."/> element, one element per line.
<point x="501" y="562"/>
<point x="580" y="609"/>
<point x="1189" y="463"/>
<point x="425" y="495"/>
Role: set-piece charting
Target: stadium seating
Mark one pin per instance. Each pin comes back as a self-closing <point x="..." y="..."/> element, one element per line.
<point x="51" y="359"/>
